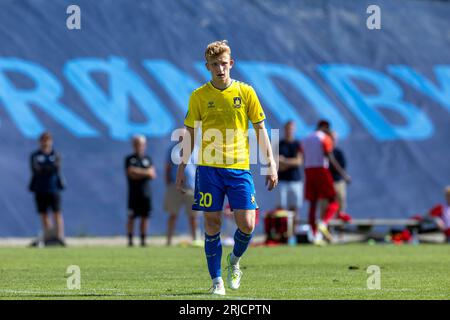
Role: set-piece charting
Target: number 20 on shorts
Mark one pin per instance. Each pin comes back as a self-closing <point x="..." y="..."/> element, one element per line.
<point x="205" y="199"/>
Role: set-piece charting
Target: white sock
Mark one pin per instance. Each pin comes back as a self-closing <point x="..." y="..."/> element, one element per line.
<point x="217" y="280"/>
<point x="234" y="260"/>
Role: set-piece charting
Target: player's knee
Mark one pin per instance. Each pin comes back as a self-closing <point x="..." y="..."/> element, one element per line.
<point x="247" y="228"/>
<point x="212" y="225"/>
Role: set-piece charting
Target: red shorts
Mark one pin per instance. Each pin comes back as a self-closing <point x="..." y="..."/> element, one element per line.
<point x="318" y="184"/>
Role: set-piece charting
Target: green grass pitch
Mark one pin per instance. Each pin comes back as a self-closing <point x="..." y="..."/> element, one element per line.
<point x="302" y="272"/>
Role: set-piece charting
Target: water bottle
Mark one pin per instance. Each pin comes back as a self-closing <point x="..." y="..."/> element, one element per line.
<point x="292" y="241"/>
<point x="415" y="237"/>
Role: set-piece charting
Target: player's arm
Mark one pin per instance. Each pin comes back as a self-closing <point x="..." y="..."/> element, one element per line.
<point x="187" y="146"/>
<point x="265" y="146"/>
<point x="192" y="117"/>
<point x="291" y="162"/>
<point x="167" y="173"/>
<point x="327" y="145"/>
<point x="142" y="173"/>
<point x="132" y="171"/>
<point x="338" y="167"/>
<point x="58" y="162"/>
<point x="133" y="174"/>
<point x="256" y="115"/>
<point x="35" y="167"/>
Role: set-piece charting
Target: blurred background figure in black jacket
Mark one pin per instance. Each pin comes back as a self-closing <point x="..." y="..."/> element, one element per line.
<point x="47" y="183"/>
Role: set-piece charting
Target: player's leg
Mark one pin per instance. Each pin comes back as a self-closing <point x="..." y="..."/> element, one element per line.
<point x="241" y="196"/>
<point x="144" y="228"/>
<point x="188" y="200"/>
<point x="45" y="220"/>
<point x="330" y="210"/>
<point x="245" y="221"/>
<point x="193" y="224"/>
<point x="312" y="185"/>
<point x="213" y="249"/>
<point x="172" y="205"/>
<point x="324" y="189"/>
<point x="312" y="216"/>
<point x="282" y="195"/>
<point x="208" y="197"/>
<point x="42" y="206"/>
<point x="171" y="221"/>
<point x="295" y="199"/>
<point x="59" y="224"/>
<point x="130" y="227"/>
<point x="55" y="205"/>
<point x="144" y="211"/>
<point x="341" y="192"/>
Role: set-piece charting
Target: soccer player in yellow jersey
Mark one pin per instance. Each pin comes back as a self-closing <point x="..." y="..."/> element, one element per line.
<point x="223" y="108"/>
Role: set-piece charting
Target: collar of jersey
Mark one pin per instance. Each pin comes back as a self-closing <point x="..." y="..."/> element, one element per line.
<point x="221" y="90"/>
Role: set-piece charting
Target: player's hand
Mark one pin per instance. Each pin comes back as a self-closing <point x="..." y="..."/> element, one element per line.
<point x="180" y="180"/>
<point x="272" y="178"/>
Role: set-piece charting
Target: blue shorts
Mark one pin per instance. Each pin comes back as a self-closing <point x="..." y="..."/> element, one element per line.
<point x="212" y="184"/>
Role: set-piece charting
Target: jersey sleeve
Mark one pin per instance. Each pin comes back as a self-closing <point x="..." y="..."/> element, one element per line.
<point x="327" y="144"/>
<point x="255" y="111"/>
<point x="57" y="163"/>
<point x="33" y="163"/>
<point x="299" y="147"/>
<point x="193" y="113"/>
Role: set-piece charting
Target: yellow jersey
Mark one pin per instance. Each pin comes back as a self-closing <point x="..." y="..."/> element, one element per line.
<point x="224" y="119"/>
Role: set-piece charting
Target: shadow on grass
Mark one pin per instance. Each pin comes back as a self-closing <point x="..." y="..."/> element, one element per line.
<point x="143" y="295"/>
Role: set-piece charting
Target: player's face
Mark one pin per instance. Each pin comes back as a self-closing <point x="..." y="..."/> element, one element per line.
<point x="46" y="144"/>
<point x="220" y="67"/>
<point x="289" y="130"/>
<point x="139" y="146"/>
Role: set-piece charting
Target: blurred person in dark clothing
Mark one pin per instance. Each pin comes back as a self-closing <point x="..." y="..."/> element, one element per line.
<point x="47" y="183"/>
<point x="140" y="171"/>
<point x="290" y="158"/>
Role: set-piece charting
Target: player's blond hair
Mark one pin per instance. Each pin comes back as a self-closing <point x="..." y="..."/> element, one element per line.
<point x="216" y="48"/>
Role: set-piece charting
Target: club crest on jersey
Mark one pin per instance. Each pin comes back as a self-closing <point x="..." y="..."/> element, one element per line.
<point x="237" y="102"/>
